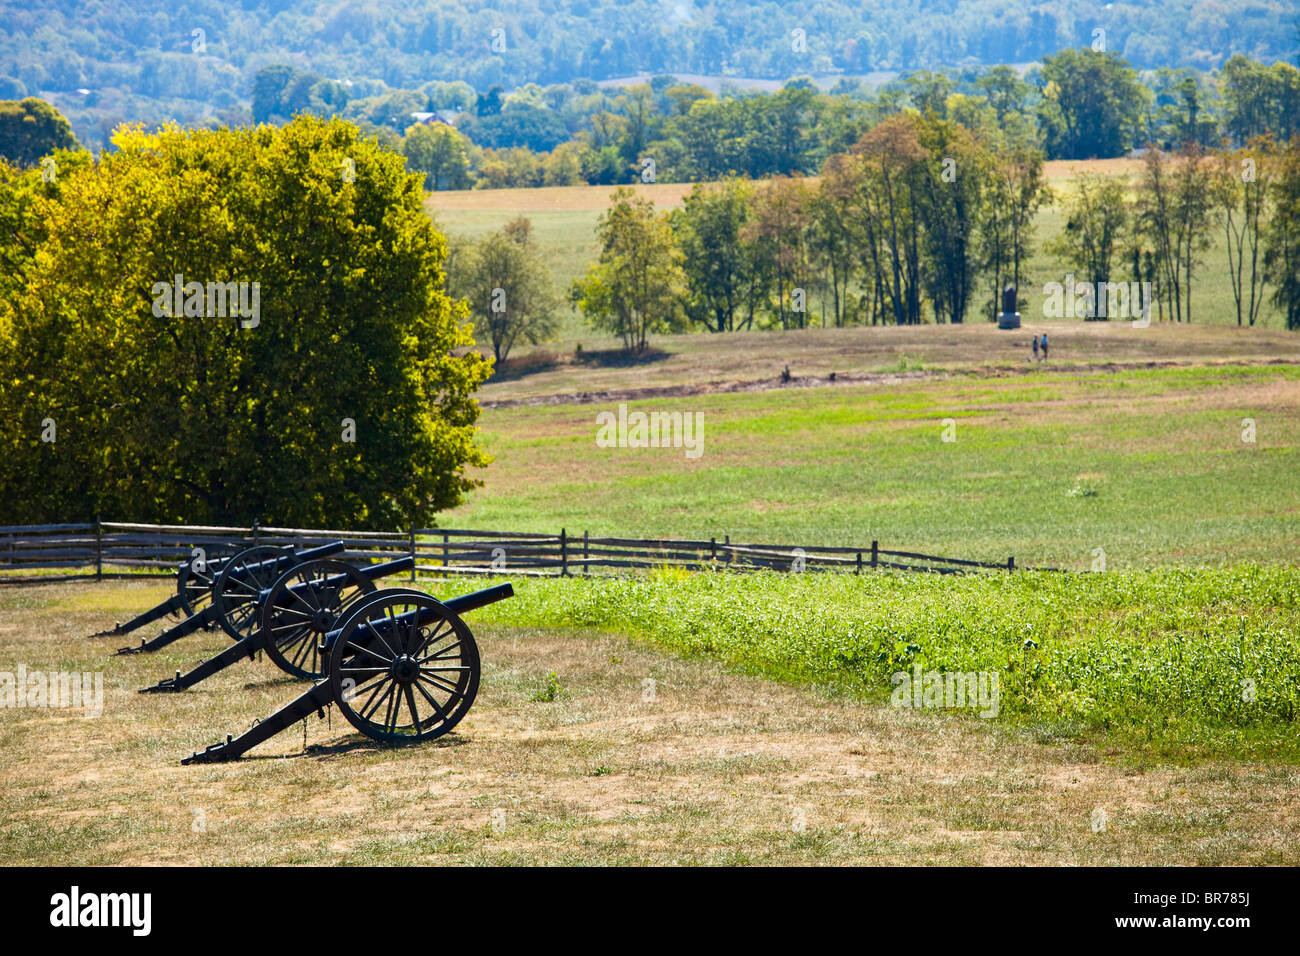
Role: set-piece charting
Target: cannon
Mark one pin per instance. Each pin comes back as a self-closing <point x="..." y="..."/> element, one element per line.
<point x="397" y="652"/>
<point x="233" y="602"/>
<point x="194" y="580"/>
<point x="304" y="603"/>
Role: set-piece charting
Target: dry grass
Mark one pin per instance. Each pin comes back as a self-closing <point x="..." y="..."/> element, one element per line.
<point x="887" y="352"/>
<point x="528" y="202"/>
<point x="718" y="769"/>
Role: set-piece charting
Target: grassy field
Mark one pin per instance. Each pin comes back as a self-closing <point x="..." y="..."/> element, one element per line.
<point x="565" y="218"/>
<point x="707" y="765"/>
<point x="1147" y="663"/>
<point x="1145" y="715"/>
<point x="1149" y="465"/>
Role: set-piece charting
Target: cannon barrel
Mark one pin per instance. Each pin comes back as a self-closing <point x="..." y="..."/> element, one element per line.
<point x="457" y="605"/>
<point x="257" y="641"/>
<point x="372" y="571"/>
<point x="212" y="613"/>
<point x="297" y="557"/>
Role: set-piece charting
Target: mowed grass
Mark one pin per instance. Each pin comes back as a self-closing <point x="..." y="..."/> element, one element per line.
<point x="1149" y="466"/>
<point x="644" y="755"/>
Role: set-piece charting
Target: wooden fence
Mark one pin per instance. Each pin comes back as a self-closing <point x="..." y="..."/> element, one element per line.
<point x="114" y="548"/>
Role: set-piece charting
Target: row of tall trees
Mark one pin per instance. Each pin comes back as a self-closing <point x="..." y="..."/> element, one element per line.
<point x="1159" y="228"/>
<point x="1078" y="104"/>
<point x="920" y="219"/>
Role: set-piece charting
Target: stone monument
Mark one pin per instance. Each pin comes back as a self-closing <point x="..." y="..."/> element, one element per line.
<point x="1009" y="318"/>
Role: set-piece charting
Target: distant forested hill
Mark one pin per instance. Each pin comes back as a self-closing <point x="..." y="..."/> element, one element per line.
<point x="104" y="61"/>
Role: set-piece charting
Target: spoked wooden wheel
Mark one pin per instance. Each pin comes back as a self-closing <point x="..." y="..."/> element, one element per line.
<point x="195" y="587"/>
<point x="241" y="581"/>
<point x="304" y="604"/>
<point x="404" y="668"/>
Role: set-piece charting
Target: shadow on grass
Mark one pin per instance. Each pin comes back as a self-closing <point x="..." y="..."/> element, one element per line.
<point x="359" y="744"/>
<point x="544" y="360"/>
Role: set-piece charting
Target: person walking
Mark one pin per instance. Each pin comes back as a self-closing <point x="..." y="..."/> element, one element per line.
<point x="1044" y="346"/>
<point x="1034" y="339"/>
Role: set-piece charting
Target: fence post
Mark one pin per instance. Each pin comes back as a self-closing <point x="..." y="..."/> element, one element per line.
<point x="713" y="550"/>
<point x="726" y="543"/>
<point x="564" y="553"/>
<point x="875" y="553"/>
<point x="256" y="534"/>
<point x="858" y="569"/>
<point x="99" y="549"/>
<point x="1011" y="563"/>
<point x="586" y="568"/>
<point x="446" y="553"/>
<point x="412" y="551"/>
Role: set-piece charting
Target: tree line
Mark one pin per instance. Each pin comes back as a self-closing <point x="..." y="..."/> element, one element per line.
<point x="148" y="60"/>
<point x="1077" y="104"/>
<point x="921" y="220"/>
<point x="1159" y="230"/>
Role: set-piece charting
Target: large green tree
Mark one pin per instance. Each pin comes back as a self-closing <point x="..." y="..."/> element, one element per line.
<point x="340" y="396"/>
<point x="506" y="281"/>
<point x="1092" y="105"/>
<point x="31" y="129"/>
<point x="637" y="286"/>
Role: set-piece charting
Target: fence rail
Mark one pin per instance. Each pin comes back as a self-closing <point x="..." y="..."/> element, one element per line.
<point x="115" y="548"/>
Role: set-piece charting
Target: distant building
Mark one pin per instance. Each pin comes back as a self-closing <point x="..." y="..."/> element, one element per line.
<point x="447" y="117"/>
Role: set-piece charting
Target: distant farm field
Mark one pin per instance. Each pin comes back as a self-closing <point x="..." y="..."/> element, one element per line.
<point x="1148" y="466"/>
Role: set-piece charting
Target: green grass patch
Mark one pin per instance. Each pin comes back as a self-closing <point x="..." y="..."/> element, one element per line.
<point x="1149" y="466"/>
<point x="1181" y="664"/>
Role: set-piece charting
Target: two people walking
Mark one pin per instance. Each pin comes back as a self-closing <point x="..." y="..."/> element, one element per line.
<point x="1037" y="344"/>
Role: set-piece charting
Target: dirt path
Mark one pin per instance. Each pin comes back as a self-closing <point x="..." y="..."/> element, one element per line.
<point x="845" y="378"/>
<point x="700" y="766"/>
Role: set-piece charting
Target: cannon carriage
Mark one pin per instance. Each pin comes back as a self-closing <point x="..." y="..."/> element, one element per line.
<point x="194" y="581"/>
<point x="401" y="666"/>
<point x="232" y="602"/>
<point x="292" y="614"/>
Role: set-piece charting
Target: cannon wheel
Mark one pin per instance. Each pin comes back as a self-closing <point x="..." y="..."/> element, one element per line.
<point x="195" y="587"/>
<point x="411" y="685"/>
<point x="303" y="605"/>
<point x="234" y="596"/>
